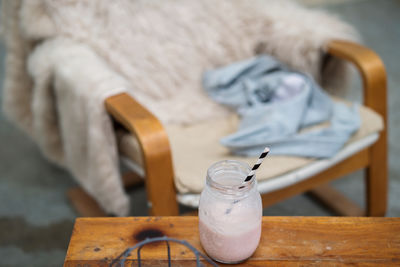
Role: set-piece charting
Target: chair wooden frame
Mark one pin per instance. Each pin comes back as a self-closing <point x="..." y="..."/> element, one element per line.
<point x="156" y="152"/>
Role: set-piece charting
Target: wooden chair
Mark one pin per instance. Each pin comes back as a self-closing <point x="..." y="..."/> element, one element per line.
<point x="158" y="166"/>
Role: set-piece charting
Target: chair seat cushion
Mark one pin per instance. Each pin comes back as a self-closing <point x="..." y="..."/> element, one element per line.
<point x="196" y="147"/>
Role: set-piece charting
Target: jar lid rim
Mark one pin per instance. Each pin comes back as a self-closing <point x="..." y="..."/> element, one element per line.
<point x="230" y="189"/>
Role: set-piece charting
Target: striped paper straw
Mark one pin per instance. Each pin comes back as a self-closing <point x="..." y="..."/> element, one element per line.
<point x="250" y="175"/>
<point x="257" y="165"/>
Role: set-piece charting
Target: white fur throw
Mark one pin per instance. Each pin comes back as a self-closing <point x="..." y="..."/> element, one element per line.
<point x="65" y="57"/>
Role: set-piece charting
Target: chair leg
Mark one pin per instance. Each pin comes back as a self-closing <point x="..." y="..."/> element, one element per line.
<point x="160" y="188"/>
<point x="377" y="179"/>
<point x="86" y="205"/>
<point x="131" y="179"/>
<point x="336" y="201"/>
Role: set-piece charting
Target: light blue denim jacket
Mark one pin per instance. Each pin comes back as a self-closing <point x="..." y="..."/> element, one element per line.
<point x="274" y="103"/>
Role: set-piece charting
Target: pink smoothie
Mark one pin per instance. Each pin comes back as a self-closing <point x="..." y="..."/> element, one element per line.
<point x="229" y="245"/>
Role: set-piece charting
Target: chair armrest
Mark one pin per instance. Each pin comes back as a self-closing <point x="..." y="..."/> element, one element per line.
<point x="373" y="75"/>
<point x="140" y="122"/>
<point x="371" y="69"/>
<point x="155" y="148"/>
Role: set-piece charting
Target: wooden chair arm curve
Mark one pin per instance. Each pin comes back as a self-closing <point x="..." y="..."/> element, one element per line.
<point x="155" y="148"/>
<point x="140" y="122"/>
<point x="371" y="68"/>
<point x="373" y="75"/>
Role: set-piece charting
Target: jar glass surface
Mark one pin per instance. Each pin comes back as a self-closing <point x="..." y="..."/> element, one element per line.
<point x="230" y="213"/>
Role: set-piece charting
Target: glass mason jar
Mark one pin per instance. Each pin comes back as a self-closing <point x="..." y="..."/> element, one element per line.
<point x="230" y="213"/>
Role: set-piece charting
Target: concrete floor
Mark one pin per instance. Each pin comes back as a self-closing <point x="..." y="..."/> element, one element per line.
<point x="36" y="219"/>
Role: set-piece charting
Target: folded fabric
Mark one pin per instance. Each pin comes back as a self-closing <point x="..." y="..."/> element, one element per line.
<point x="274" y="104"/>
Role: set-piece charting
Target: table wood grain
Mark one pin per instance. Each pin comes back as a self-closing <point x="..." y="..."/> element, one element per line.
<point x="285" y="241"/>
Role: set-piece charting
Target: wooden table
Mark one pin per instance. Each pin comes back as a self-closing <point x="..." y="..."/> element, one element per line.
<point x="285" y="241"/>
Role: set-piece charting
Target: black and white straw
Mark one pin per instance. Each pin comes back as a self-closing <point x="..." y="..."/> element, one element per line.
<point x="257" y="165"/>
<point x="250" y="175"/>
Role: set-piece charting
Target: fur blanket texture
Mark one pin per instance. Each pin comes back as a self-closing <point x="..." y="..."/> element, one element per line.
<point x="65" y="57"/>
